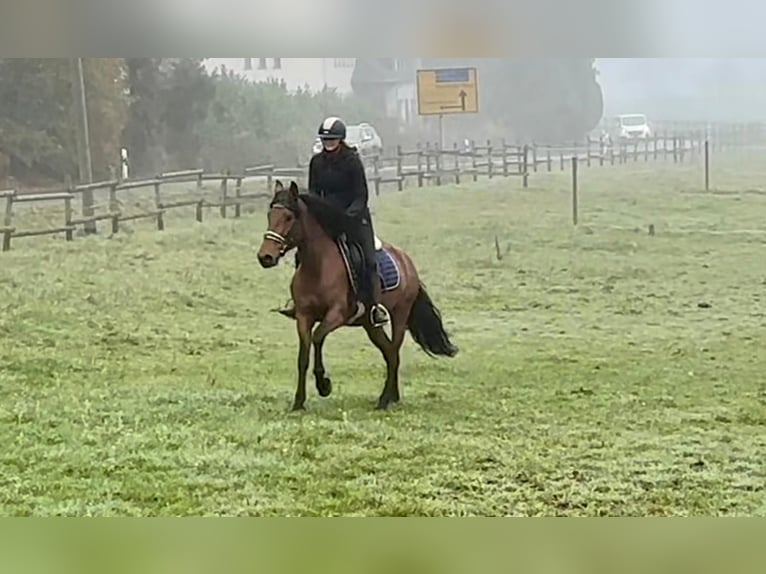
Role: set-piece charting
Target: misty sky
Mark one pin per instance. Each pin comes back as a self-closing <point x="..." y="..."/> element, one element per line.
<point x="723" y="89"/>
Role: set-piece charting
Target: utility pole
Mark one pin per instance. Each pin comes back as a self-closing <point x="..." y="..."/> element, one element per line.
<point x="85" y="166"/>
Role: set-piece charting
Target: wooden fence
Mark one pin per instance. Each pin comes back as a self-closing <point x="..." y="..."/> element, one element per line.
<point x="424" y="166"/>
<point x="429" y="164"/>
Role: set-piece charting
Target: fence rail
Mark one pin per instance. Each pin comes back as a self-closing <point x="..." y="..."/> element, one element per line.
<point x="426" y="165"/>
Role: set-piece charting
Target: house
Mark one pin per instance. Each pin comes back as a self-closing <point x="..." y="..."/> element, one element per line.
<point x="305" y="73"/>
<point x="389" y="84"/>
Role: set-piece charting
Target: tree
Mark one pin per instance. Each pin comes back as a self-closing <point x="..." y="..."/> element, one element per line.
<point x="187" y="98"/>
<point x="36" y="130"/>
<point x="107" y="97"/>
<point x="169" y="102"/>
<point x="38" y="118"/>
<point x="251" y="123"/>
<point x="544" y="100"/>
<point x="143" y="133"/>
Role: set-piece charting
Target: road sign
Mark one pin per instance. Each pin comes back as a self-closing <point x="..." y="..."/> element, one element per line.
<point x="447" y="91"/>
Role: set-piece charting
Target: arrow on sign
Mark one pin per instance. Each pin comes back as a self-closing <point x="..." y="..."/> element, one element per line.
<point x="462" y="95"/>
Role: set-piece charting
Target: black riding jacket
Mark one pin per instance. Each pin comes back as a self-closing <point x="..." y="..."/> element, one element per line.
<point x="339" y="178"/>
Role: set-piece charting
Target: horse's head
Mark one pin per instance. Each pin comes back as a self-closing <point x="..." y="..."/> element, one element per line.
<point x="281" y="235"/>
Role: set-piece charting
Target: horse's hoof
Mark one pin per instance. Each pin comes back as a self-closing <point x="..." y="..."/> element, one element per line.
<point x="297" y="408"/>
<point x="383" y="404"/>
<point x="324" y="387"/>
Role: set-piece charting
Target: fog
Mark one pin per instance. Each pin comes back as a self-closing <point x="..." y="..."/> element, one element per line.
<point x="697" y="89"/>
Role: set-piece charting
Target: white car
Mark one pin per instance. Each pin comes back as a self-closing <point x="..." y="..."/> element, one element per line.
<point x="632" y="126"/>
<point x="362" y="136"/>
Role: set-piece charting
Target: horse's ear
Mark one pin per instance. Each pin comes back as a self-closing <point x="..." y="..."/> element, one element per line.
<point x="294" y="189"/>
<point x="278" y="186"/>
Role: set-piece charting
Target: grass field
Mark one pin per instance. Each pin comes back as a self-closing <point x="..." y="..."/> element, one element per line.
<point x="603" y="370"/>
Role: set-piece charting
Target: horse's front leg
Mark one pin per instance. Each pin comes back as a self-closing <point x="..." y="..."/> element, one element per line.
<point x="332" y="321"/>
<point x="305" y="324"/>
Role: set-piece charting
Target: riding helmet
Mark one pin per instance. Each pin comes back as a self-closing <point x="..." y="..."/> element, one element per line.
<point x="332" y="128"/>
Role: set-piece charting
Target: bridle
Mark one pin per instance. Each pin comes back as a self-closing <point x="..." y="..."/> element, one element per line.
<point x="283" y="242"/>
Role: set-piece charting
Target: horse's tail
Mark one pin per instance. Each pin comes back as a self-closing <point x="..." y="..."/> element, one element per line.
<point x="425" y="326"/>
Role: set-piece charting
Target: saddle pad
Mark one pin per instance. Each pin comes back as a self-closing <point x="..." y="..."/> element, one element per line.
<point x="388" y="271"/>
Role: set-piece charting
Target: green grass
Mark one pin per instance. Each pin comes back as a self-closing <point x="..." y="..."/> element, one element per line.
<point x="145" y="375"/>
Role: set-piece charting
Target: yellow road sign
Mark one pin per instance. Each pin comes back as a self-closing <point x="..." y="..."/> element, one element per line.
<point x="447" y="91"/>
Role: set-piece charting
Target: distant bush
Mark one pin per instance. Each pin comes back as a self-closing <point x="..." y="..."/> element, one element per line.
<point x="255" y="123"/>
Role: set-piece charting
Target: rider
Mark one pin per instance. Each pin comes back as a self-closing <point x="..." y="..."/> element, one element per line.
<point x="337" y="174"/>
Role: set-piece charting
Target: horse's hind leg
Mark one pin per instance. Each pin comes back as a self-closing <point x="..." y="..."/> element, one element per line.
<point x="332" y="321"/>
<point x="389" y="348"/>
<point x="398" y="331"/>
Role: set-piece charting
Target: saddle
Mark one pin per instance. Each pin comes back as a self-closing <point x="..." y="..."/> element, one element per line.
<point x="353" y="258"/>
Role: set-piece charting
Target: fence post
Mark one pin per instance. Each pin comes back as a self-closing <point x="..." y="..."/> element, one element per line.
<point x="68" y="207"/>
<point x="682" y="138"/>
<point x="238" y="195"/>
<point x="505" y="157"/>
<point x="399" y="176"/>
<point x="707" y="165"/>
<point x="490" y="160"/>
<point x="224" y="193"/>
<point x="575" y="206"/>
<point x="525" y="166"/>
<point x="8" y="220"/>
<point x="158" y="204"/>
<point x="457" y="163"/>
<point x="376" y="174"/>
<point x="69" y="233"/>
<point x="114" y="208"/>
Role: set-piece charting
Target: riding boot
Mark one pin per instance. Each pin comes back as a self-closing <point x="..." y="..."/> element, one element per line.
<point x="366" y="238"/>
<point x="378" y="314"/>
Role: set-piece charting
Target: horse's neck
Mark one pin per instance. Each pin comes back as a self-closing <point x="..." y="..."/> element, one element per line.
<point x="315" y="244"/>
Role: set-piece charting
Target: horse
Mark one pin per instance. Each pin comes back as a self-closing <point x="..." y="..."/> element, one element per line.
<point x="325" y="284"/>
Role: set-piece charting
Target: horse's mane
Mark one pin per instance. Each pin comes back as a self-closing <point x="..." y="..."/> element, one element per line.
<point x="330" y="218"/>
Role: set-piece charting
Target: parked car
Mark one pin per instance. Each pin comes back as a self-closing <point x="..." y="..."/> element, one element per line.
<point x="630" y="127"/>
<point x="362" y="136"/>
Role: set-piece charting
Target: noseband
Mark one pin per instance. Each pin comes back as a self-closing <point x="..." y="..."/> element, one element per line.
<point x="276" y="237"/>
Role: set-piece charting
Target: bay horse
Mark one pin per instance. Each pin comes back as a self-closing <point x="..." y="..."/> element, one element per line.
<point x="325" y="283"/>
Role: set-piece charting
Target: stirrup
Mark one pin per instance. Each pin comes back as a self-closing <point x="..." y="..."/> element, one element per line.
<point x="385" y="313"/>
